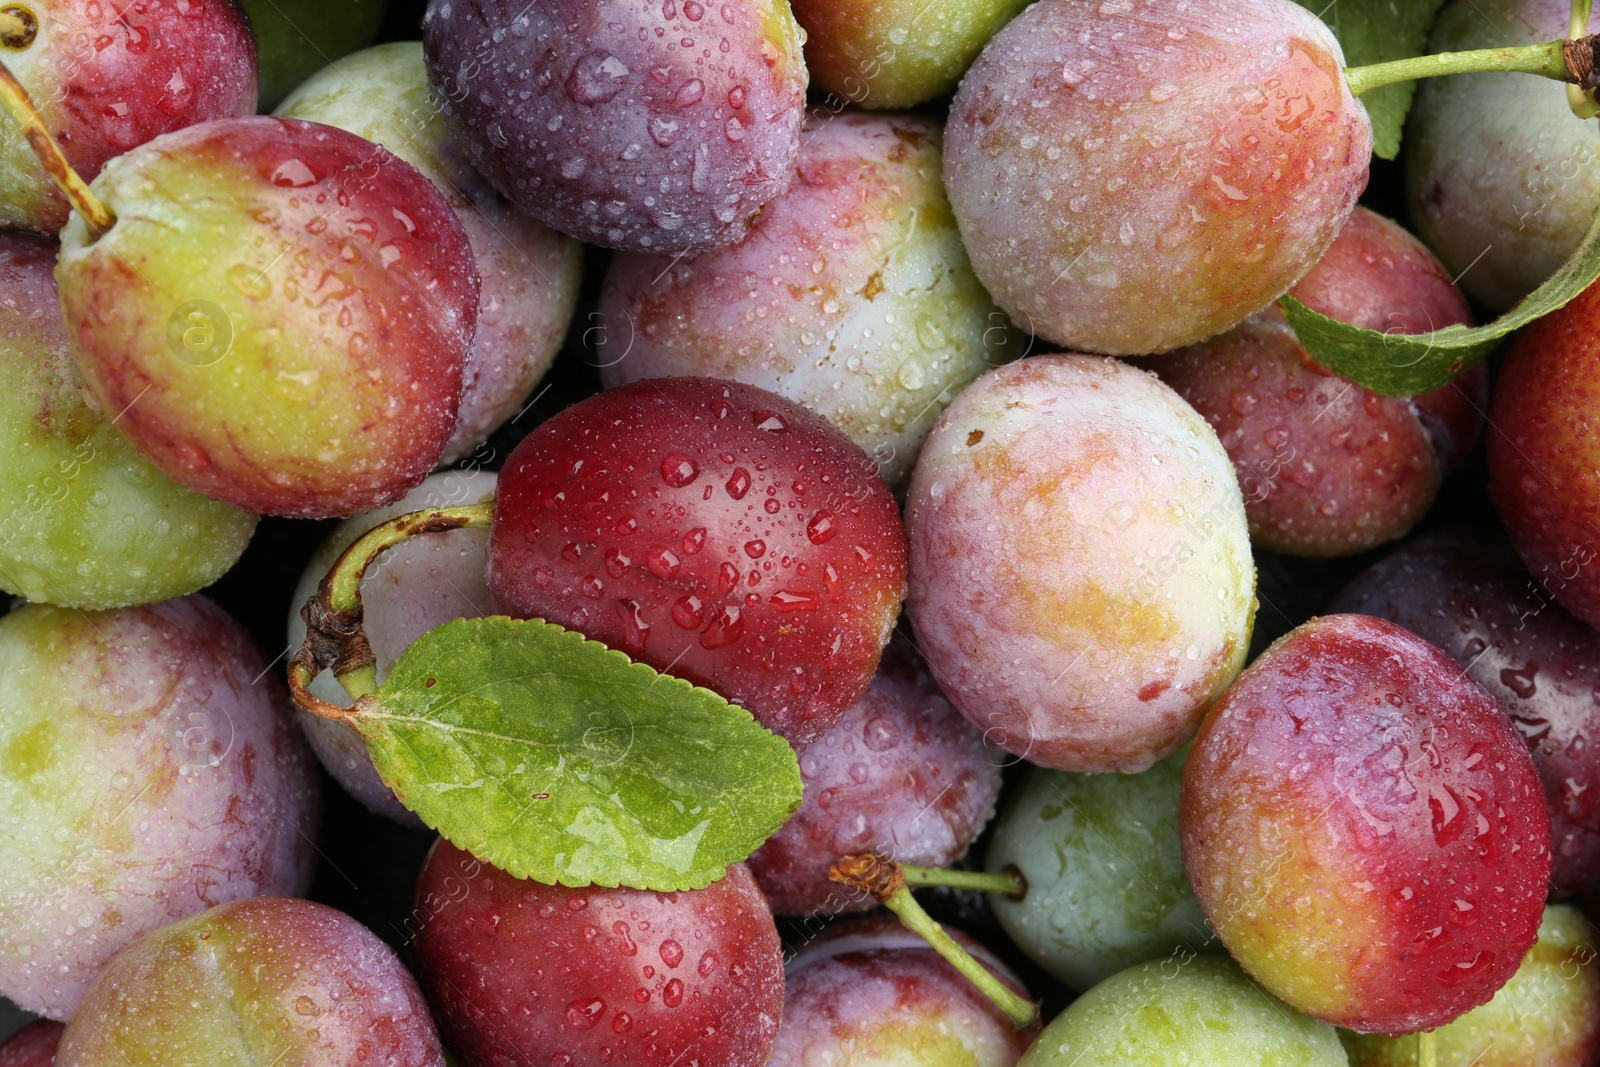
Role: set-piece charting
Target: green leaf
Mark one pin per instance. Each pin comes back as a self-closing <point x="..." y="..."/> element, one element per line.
<point x="1377" y="31"/>
<point x="1394" y="364"/>
<point x="557" y="759"/>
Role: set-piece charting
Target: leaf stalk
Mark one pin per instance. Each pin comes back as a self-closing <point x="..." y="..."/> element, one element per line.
<point x="1007" y="883"/>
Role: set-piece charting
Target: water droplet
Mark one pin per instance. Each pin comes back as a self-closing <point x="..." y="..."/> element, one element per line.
<point x="663" y="131"/>
<point x="293" y="174"/>
<point x="688" y="612"/>
<point x="672" y="995"/>
<point x="597" y="77"/>
<point x="823" y="525"/>
<point x="671" y="952"/>
<point x="689" y="93"/>
<point x="769" y="421"/>
<point x="678" y="470"/>
<point x="251" y="282"/>
<point x="738" y="483"/>
<point x="755" y="549"/>
<point x="584" y="1012"/>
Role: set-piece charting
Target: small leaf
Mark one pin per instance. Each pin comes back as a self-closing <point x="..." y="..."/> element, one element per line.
<point x="557" y="759"/>
<point x="1377" y="31"/>
<point x="1393" y="364"/>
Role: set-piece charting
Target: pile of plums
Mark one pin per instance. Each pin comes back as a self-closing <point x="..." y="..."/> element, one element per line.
<point x="910" y="375"/>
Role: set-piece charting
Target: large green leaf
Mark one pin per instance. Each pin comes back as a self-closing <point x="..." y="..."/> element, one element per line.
<point x="1377" y="31"/>
<point x="558" y="759"/>
<point x="1407" y="364"/>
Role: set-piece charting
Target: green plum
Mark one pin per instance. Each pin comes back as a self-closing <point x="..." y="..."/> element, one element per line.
<point x="1199" y="1011"/>
<point x="1500" y="176"/>
<point x="1547" y="1015"/>
<point x="896" y="53"/>
<point x="1101" y="854"/>
<point x="530" y="272"/>
<point x="296" y="38"/>
<point x="85" y="521"/>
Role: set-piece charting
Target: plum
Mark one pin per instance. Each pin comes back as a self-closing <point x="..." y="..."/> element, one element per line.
<point x="107" y="77"/>
<point x="903" y="774"/>
<point x="1199" y="1011"/>
<point x="279" y="316"/>
<point x="85" y="521"/>
<point x="32" y="1046"/>
<point x="524" y="973"/>
<point x="1544" y="452"/>
<point x="530" y="273"/>
<point x="1470" y="596"/>
<point x="713" y="530"/>
<point x="297" y="38"/>
<point x="896" y="53"/>
<point x="417" y="586"/>
<point x="649" y="125"/>
<point x="852" y="295"/>
<point x="1500" y="178"/>
<point x="148" y="770"/>
<point x="1365" y="829"/>
<point x="1096" y="152"/>
<point x="1547" y="1014"/>
<point x="1104" y="867"/>
<point x="1329" y="468"/>
<point x="869" y="991"/>
<point x="1081" y="580"/>
<point x="269" y="980"/>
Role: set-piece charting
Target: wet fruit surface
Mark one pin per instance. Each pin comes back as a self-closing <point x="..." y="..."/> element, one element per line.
<point x="1470" y="596"/>
<point x="524" y="973"/>
<point x="1081" y="580"/>
<point x="713" y="530"/>
<point x="1365" y="828"/>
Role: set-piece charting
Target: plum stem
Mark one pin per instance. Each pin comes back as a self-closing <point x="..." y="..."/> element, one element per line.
<point x="1428" y="1049"/>
<point x="1007" y="883"/>
<point x="884" y="879"/>
<point x="98" y="217"/>
<point x="1564" y="61"/>
<point x="335" y="636"/>
<point x="18" y="27"/>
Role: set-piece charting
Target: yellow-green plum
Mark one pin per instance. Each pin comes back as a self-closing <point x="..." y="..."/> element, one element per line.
<point x="297" y="38"/>
<point x="896" y="53"/>
<point x="85" y="521"/>
<point x="271" y="980"/>
<point x="414" y="587"/>
<point x="1199" y="1011"/>
<point x="868" y="991"/>
<point x="1548" y="1015"/>
<point x="1080" y="572"/>
<point x="1500" y="176"/>
<point x="1104" y="867"/>
<point x="852" y="295"/>
<point x="108" y="77"/>
<point x="149" y="770"/>
<point x="530" y="272"/>
<point x="1131" y="177"/>
<point x="279" y="317"/>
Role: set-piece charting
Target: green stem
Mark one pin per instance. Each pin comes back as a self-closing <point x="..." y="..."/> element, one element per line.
<point x="334" y="635"/>
<point x="18" y="27"/>
<point x="1548" y="60"/>
<point x="1428" y="1049"/>
<point x="884" y="879"/>
<point x="1007" y="883"/>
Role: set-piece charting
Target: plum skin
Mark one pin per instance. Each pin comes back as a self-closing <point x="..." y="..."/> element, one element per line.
<point x="867" y="990"/>
<point x="1499" y="179"/>
<point x="1080" y="601"/>
<point x="346" y="317"/>
<point x="1471" y="597"/>
<point x="903" y="773"/>
<point x="1544" y="451"/>
<point x="1372" y="875"/>
<point x="521" y="972"/>
<point x="1329" y="468"/>
<point x="250" y="981"/>
<point x="108" y="77"/>
<point x="1077" y="228"/>
<point x="32" y="1046"/>
<point x="730" y="537"/>
<point x="530" y="273"/>
<point x="413" y="588"/>
<point x="167" y="715"/>
<point x="852" y="295"/>
<point x="645" y="125"/>
<point x="1106" y="885"/>
<point x="1202" y="1011"/>
<point x="1547" y="1014"/>
<point x="87" y="522"/>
